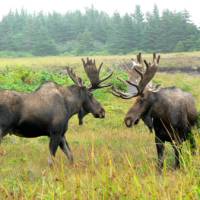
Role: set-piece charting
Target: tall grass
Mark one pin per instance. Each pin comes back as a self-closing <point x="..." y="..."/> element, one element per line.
<point x="111" y="161"/>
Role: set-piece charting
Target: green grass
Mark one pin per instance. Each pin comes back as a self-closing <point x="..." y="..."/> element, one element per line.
<point x="111" y="161"/>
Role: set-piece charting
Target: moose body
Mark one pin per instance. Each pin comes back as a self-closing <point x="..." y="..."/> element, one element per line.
<point x="46" y="111"/>
<point x="36" y="114"/>
<point x="170" y="111"/>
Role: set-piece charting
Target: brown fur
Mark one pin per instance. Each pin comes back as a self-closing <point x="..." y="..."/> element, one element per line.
<point x="171" y="112"/>
<point x="45" y="112"/>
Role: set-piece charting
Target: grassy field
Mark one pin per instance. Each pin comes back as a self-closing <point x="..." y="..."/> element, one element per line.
<point x="111" y="161"/>
<point x="168" y="60"/>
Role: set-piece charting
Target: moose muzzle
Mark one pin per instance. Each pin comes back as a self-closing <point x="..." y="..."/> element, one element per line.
<point x="100" y="114"/>
<point x="129" y="121"/>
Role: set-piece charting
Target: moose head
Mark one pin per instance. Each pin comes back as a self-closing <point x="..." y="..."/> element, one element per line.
<point x="90" y="104"/>
<point x="143" y="93"/>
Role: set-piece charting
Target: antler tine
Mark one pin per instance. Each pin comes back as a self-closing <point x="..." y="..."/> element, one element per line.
<point x="121" y="94"/>
<point x="83" y="61"/>
<point x="154" y="56"/>
<point x="147" y="64"/>
<point x="124" y="95"/>
<point x="158" y="59"/>
<point x="77" y="80"/>
<point x="100" y="66"/>
<point x="139" y="72"/>
<point x="106" y="78"/>
<point x="134" y="85"/>
<point x="128" y="82"/>
<point x="139" y="58"/>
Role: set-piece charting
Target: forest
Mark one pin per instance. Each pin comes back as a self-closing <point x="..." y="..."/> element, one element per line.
<point x="97" y="33"/>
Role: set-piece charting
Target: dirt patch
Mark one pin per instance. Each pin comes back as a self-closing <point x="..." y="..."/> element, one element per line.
<point x="187" y="70"/>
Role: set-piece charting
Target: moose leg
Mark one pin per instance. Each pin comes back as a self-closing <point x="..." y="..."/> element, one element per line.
<point x="66" y="149"/>
<point x="160" y="147"/>
<point x="1" y="135"/>
<point x="177" y="152"/>
<point x="53" y="146"/>
<point x="193" y="145"/>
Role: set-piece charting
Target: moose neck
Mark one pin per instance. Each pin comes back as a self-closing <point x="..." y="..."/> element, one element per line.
<point x="73" y="100"/>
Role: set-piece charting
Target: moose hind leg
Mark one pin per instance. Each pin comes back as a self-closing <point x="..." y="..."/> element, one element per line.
<point x="160" y="147"/>
<point x="1" y="135"/>
<point x="66" y="149"/>
<point x="193" y="145"/>
<point x="177" y="152"/>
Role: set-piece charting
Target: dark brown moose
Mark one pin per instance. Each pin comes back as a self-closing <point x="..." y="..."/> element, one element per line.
<point x="169" y="111"/>
<point x="46" y="111"/>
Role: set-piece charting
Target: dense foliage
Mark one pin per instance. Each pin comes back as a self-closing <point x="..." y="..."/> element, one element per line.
<point x="95" y="32"/>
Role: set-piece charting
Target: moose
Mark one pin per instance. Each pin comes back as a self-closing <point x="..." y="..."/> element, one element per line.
<point x="46" y="111"/>
<point x="169" y="111"/>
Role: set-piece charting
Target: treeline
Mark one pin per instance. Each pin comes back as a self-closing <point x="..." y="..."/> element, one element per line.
<point x="96" y="32"/>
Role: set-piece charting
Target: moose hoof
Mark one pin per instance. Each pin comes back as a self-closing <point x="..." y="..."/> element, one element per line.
<point x="176" y="167"/>
<point x="159" y="170"/>
<point x="194" y="153"/>
<point x="50" y="162"/>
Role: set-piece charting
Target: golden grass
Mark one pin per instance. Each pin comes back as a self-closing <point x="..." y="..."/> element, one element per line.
<point x="167" y="60"/>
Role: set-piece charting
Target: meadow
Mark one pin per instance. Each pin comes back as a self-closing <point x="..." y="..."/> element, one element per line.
<point x="111" y="161"/>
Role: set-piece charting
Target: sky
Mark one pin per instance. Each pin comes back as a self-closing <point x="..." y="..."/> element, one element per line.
<point x="109" y="6"/>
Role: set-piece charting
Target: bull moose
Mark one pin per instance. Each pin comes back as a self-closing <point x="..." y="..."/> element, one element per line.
<point x="170" y="111"/>
<point x="46" y="111"/>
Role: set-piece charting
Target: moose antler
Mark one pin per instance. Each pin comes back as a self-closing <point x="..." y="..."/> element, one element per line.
<point x="146" y="77"/>
<point x="77" y="80"/>
<point x="93" y="74"/>
<point x="137" y="64"/>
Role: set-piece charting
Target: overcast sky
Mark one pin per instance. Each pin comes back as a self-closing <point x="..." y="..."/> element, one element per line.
<point x="108" y="6"/>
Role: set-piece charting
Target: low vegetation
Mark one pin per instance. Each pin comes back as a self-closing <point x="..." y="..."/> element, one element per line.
<point x="111" y="161"/>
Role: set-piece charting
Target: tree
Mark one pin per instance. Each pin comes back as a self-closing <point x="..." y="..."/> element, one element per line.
<point x="152" y="39"/>
<point x="139" y="25"/>
<point x="114" y="40"/>
<point x="85" y="44"/>
<point x="94" y="31"/>
<point x="127" y="34"/>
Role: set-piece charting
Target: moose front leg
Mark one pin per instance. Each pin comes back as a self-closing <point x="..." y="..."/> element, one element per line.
<point x="66" y="149"/>
<point x="160" y="147"/>
<point x="53" y="146"/>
